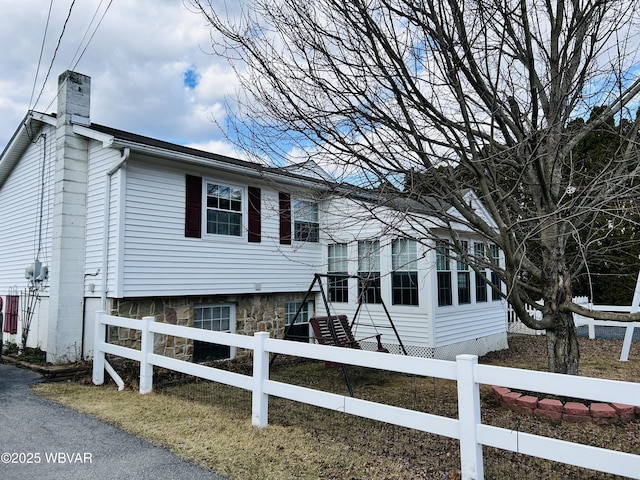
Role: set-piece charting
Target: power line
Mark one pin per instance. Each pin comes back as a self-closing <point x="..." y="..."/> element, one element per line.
<point x="72" y="65"/>
<point x="64" y="27"/>
<point x="95" y="14"/>
<point x="44" y="38"/>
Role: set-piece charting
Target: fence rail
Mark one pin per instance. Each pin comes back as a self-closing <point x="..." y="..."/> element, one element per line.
<point x="514" y="324"/>
<point x="467" y="428"/>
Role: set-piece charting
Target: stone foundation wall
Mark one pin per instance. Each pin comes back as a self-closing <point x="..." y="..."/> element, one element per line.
<point x="254" y="313"/>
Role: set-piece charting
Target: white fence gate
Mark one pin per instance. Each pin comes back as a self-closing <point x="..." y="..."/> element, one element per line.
<point x="468" y="428"/>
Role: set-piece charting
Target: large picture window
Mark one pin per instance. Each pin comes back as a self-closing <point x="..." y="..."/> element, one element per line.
<point x="218" y="318"/>
<point x="305" y="221"/>
<point x="338" y="270"/>
<point x="224" y="209"/>
<point x="405" y="272"/>
<point x="443" y="268"/>
<point x="369" y="271"/>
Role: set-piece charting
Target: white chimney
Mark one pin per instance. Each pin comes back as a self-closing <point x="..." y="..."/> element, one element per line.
<point x="74" y="98"/>
<point x="68" y="224"/>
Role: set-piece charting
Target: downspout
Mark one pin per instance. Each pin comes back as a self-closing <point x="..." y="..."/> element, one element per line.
<point x="105" y="238"/>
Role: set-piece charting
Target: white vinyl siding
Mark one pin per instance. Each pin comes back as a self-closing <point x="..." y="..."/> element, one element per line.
<point x="101" y="160"/>
<point x="26" y="211"/>
<point x="25" y="225"/>
<point x="160" y="261"/>
<point x="469" y="322"/>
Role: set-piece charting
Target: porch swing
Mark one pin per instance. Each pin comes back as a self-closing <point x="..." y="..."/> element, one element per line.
<point x="335" y="329"/>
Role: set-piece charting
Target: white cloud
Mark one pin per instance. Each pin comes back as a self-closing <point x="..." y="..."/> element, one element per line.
<point x="136" y="61"/>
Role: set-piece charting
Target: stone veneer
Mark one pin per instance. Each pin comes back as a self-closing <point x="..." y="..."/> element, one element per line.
<point x="254" y="313"/>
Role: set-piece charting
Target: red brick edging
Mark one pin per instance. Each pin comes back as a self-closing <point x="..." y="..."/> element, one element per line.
<point x="556" y="411"/>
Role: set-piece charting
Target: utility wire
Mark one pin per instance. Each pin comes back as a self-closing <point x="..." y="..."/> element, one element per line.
<point x="64" y="27"/>
<point x="44" y="38"/>
<point x="72" y="65"/>
<point x="86" y="32"/>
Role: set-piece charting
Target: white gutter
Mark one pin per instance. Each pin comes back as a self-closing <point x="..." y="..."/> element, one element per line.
<point x="107" y="210"/>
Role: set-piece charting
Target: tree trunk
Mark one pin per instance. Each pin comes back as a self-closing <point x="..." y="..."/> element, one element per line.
<point x="563" y="353"/>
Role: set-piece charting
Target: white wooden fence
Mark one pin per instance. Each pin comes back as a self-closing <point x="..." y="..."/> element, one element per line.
<point x="629" y="327"/>
<point x="514" y="325"/>
<point x="467" y="428"/>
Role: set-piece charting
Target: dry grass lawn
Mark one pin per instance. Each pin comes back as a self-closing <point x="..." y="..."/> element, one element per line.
<point x="210" y="424"/>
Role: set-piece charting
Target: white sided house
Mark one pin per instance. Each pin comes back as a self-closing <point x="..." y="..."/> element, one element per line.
<point x="101" y="219"/>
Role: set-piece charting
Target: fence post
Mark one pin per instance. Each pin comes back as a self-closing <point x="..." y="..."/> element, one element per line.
<point x="471" y="463"/>
<point x="260" y="400"/>
<point x="99" y="335"/>
<point x="628" y="334"/>
<point x="146" y="348"/>
<point x="591" y="326"/>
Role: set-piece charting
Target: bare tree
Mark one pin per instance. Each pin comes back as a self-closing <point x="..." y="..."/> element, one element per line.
<point x="434" y="97"/>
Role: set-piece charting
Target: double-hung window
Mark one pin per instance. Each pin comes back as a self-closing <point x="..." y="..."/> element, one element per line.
<point x="305" y="221"/>
<point x="224" y="209"/>
<point x="369" y="271"/>
<point x="444" y="274"/>
<point x="481" y="283"/>
<point x="405" y="272"/>
<point x="464" y="277"/>
<point x="218" y="318"/>
<point x="494" y="257"/>
<point x="338" y="271"/>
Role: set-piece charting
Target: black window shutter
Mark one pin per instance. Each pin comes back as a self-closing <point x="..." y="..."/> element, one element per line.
<point x="255" y="221"/>
<point x="193" y="207"/>
<point x="285" y="218"/>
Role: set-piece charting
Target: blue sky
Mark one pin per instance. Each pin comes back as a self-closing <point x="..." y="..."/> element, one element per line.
<point x="151" y="64"/>
<point x="149" y="61"/>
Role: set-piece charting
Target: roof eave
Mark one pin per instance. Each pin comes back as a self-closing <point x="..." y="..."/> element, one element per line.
<point x="256" y="171"/>
<point x="25" y="134"/>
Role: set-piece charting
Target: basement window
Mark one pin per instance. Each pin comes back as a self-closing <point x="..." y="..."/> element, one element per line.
<point x="217" y="318"/>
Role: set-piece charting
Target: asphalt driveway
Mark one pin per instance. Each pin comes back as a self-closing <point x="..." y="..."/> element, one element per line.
<point x="42" y="439"/>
